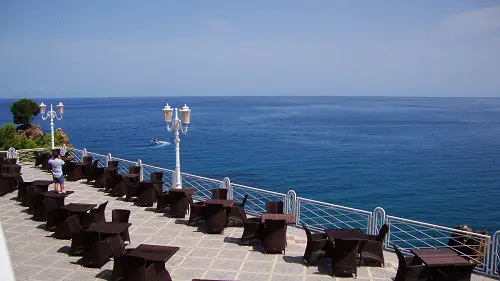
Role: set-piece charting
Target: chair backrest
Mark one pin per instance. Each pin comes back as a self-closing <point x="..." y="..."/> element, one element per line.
<point x="244" y="201"/>
<point x="308" y="232"/>
<point x="87" y="159"/>
<point x="116" y="244"/>
<point x="346" y="251"/>
<point x="102" y="207"/>
<point x="134" y="169"/>
<point x="96" y="162"/>
<point x="382" y="232"/>
<point x="74" y="223"/>
<point x="49" y="203"/>
<point x="274" y="234"/>
<point x="119" y="215"/>
<point x="113" y="164"/>
<point x="36" y="153"/>
<point x="219" y="193"/>
<point x="401" y="257"/>
<point x="274" y="207"/>
<point x="156" y="176"/>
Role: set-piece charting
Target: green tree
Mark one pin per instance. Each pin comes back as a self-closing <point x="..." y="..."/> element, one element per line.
<point x="7" y="135"/>
<point x="23" y="111"/>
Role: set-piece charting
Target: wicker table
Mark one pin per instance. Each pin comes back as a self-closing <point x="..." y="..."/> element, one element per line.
<point x="59" y="197"/>
<point x="225" y="203"/>
<point x="289" y="218"/>
<point x="42" y="185"/>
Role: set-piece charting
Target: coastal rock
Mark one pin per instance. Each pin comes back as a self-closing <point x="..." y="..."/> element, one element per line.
<point x="65" y="138"/>
<point x="33" y="132"/>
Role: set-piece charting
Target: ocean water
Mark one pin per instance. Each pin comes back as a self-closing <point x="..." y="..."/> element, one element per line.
<point x="430" y="159"/>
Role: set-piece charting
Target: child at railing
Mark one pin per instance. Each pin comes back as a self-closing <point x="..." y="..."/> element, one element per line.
<point x="56" y="162"/>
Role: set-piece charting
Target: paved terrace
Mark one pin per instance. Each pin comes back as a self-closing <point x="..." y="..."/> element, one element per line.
<point x="35" y="255"/>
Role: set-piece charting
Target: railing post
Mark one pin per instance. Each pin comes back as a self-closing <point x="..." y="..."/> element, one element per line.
<point x="63" y="149"/>
<point x="226" y="184"/>
<point x="84" y="153"/>
<point x="291" y="205"/>
<point x="494" y="264"/>
<point x="108" y="158"/>
<point x="12" y="153"/>
<point x="141" y="174"/>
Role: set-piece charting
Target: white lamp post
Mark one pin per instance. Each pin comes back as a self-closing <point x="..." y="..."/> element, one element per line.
<point x="52" y="114"/>
<point x="175" y="125"/>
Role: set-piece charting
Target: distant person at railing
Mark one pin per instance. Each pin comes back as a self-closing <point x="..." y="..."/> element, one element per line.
<point x="56" y="162"/>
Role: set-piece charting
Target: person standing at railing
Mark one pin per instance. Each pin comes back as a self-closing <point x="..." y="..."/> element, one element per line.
<point x="56" y="162"/>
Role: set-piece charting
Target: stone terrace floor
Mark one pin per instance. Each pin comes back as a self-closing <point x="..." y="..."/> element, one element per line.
<point x="35" y="255"/>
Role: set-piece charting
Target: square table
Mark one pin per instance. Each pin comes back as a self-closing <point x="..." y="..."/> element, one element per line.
<point x="289" y="218"/>
<point x="442" y="257"/>
<point x="225" y="203"/>
<point x="79" y="208"/>
<point x="349" y="233"/>
<point x="109" y="228"/>
<point x="42" y="185"/>
<point x="440" y="252"/>
<point x="59" y="197"/>
<point x="157" y="254"/>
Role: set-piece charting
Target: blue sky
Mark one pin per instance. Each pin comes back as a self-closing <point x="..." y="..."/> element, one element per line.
<point x="167" y="48"/>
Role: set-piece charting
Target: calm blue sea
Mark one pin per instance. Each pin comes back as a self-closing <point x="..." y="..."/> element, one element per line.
<point x="430" y="159"/>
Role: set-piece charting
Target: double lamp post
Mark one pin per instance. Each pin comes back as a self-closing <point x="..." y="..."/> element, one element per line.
<point x="52" y="114"/>
<point x="177" y="124"/>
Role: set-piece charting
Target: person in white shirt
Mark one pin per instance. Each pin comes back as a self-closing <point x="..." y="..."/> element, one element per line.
<point x="56" y="162"/>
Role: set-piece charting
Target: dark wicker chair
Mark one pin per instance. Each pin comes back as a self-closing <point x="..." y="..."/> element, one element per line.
<point x="252" y="229"/>
<point x="146" y="194"/>
<point x="345" y="255"/>
<point x="70" y="226"/>
<point x="30" y="197"/>
<point x="219" y="193"/>
<point x="122" y="187"/>
<point x="237" y="213"/>
<point x="55" y="217"/>
<point x="93" y="172"/>
<point x="195" y="211"/>
<point x="82" y="242"/>
<point x="455" y="273"/>
<point x="95" y="215"/>
<point x="274" y="236"/>
<point x="97" y="256"/>
<point x="410" y="268"/>
<point x="22" y="192"/>
<point x="163" y="199"/>
<point x="179" y="204"/>
<point x="381" y="234"/>
<point x="215" y="217"/>
<point x="74" y="171"/>
<point x="371" y="252"/>
<point x="39" y="212"/>
<point x="117" y="250"/>
<point x="274" y="207"/>
<point x="112" y="180"/>
<point x="136" y="269"/>
<point x="316" y="245"/>
<point x="119" y="215"/>
<point x="38" y="158"/>
<point x="50" y="206"/>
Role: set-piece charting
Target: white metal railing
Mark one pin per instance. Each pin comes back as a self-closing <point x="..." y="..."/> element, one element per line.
<point x="410" y="234"/>
<point x="320" y="215"/>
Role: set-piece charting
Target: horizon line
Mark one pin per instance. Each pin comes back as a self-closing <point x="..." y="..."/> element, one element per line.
<point x="251" y="96"/>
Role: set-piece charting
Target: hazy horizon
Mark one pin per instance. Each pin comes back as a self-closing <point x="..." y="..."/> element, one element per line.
<point x="123" y="48"/>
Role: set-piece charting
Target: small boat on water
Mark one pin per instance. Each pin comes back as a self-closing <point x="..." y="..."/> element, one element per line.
<point x="157" y="141"/>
